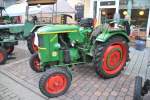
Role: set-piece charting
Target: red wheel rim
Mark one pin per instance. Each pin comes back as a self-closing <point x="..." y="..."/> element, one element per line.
<point x="114" y="58"/>
<point x="36" y="64"/>
<point x="1" y="57"/>
<point x="35" y="48"/>
<point x="56" y="84"/>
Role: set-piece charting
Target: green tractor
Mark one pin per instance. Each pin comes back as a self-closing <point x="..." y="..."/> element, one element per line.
<point x="62" y="46"/>
<point x="11" y="32"/>
<point x="7" y="37"/>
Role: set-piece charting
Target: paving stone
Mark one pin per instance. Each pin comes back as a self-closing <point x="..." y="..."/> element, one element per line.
<point x="81" y="93"/>
<point x="124" y="89"/>
<point x="85" y="97"/>
<point x="111" y="97"/>
<point x="54" y="99"/>
<point x="114" y="93"/>
<point x="71" y="93"/>
<point x="105" y="93"/>
<point x="63" y="97"/>
<point x="128" y="98"/>
<point x="122" y="94"/>
<point x="96" y="85"/>
<point x="1" y="97"/>
<point x="76" y="97"/>
<point x="93" y="97"/>
<point x="119" y="98"/>
<point x="108" y="89"/>
<point x="102" y="97"/>
<point x="130" y="93"/>
<point x="6" y="94"/>
<point x="91" y="91"/>
<point x="98" y="93"/>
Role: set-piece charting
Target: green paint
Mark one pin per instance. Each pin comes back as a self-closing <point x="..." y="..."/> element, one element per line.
<point x="51" y="29"/>
<point x="28" y="26"/>
<point x="16" y="29"/>
<point x="108" y="34"/>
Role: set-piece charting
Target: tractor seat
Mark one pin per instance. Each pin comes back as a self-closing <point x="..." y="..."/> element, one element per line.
<point x="95" y="32"/>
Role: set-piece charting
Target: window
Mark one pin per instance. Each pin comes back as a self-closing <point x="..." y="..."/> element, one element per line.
<point x="95" y="9"/>
<point x="107" y="3"/>
<point x="123" y="2"/>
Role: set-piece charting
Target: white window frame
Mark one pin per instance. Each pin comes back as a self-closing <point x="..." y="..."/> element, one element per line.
<point x="98" y="17"/>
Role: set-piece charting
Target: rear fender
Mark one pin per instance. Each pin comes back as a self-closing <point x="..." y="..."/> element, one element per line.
<point x="35" y="28"/>
<point x="107" y="35"/>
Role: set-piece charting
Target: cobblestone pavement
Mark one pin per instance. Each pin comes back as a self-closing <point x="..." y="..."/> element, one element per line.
<point x="86" y="85"/>
<point x="7" y="94"/>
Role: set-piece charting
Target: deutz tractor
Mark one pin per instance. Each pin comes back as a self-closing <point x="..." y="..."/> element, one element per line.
<point x="7" y="40"/>
<point x="11" y="32"/>
<point x="62" y="46"/>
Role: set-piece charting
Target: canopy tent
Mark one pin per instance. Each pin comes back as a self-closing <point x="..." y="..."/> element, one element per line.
<point x="20" y="9"/>
<point x="61" y="6"/>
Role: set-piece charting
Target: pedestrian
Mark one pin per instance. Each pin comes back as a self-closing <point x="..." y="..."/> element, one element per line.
<point x="35" y="19"/>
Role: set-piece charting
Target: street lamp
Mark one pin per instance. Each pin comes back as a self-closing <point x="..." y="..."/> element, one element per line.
<point x="141" y="13"/>
<point x="125" y="13"/>
<point x="103" y="13"/>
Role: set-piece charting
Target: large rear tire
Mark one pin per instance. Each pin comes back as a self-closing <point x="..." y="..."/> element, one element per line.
<point x="138" y="88"/>
<point x="111" y="56"/>
<point x="55" y="82"/>
<point x="31" y="46"/>
<point x="3" y="55"/>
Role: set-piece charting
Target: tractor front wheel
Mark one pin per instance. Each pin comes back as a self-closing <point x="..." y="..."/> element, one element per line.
<point x="3" y="56"/>
<point x="55" y="82"/>
<point x="35" y="63"/>
<point x="111" y="57"/>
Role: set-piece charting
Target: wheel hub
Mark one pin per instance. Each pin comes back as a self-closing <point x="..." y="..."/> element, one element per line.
<point x="56" y="84"/>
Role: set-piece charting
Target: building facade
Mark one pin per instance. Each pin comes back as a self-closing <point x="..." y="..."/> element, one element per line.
<point x="1" y="3"/>
<point x="138" y="12"/>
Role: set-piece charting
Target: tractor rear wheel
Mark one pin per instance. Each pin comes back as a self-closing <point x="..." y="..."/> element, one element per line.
<point x="35" y="63"/>
<point x="111" y="57"/>
<point x="138" y="88"/>
<point x="31" y="46"/>
<point x="3" y="56"/>
<point x="55" y="82"/>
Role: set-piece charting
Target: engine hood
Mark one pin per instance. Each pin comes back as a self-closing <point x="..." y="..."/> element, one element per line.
<point x="51" y="29"/>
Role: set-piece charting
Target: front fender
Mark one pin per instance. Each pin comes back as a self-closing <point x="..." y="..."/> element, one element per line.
<point x="106" y="35"/>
